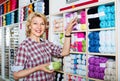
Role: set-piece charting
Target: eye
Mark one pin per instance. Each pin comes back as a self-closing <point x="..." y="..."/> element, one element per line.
<point x="42" y="24"/>
<point x="34" y="23"/>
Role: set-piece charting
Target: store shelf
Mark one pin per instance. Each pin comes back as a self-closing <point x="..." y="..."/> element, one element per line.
<point x="78" y="52"/>
<point x="95" y="79"/>
<point x="9" y="12"/>
<point x="68" y="63"/>
<point x="102" y="29"/>
<point x="102" y="54"/>
<point x="83" y="7"/>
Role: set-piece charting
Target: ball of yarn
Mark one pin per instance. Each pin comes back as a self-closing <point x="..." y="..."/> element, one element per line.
<point x="54" y="66"/>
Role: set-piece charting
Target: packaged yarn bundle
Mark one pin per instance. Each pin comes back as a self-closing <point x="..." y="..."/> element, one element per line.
<point x="54" y="66"/>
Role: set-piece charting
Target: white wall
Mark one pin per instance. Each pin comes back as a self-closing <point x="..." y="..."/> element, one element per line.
<point x="55" y="5"/>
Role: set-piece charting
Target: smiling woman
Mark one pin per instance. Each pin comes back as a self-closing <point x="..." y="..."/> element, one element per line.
<point x="35" y="53"/>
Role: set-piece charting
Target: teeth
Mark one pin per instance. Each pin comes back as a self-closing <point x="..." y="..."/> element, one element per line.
<point x="38" y="31"/>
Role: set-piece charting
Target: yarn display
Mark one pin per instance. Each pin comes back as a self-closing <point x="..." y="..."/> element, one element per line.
<point x="59" y="39"/>
<point x="102" y="16"/>
<point x="78" y="42"/>
<point x="39" y="7"/>
<point x="74" y="78"/>
<point x="101" y="68"/>
<point x="75" y="64"/>
<point x="81" y="18"/>
<point x="94" y="42"/>
<point x="58" y="25"/>
<point x="36" y="7"/>
<point x="97" y="41"/>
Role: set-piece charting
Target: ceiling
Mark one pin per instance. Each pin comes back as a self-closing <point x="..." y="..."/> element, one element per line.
<point x="1" y="1"/>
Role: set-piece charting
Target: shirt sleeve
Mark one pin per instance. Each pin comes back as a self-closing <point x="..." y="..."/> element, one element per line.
<point x="21" y="59"/>
<point x="56" y="50"/>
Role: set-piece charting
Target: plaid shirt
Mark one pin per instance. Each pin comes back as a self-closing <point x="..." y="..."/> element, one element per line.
<point x="31" y="54"/>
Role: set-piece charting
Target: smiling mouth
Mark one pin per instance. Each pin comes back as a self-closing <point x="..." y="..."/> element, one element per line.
<point x="38" y="31"/>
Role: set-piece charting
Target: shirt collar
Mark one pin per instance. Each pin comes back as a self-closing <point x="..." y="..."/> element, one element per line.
<point x="41" y="39"/>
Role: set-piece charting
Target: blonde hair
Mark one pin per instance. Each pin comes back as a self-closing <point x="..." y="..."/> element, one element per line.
<point x="30" y="17"/>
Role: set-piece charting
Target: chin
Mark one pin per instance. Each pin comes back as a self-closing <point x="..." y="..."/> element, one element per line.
<point x="38" y="35"/>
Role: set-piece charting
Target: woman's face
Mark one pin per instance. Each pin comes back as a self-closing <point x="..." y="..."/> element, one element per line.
<point x="37" y="27"/>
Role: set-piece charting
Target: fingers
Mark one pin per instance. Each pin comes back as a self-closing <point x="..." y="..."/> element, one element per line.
<point x="50" y="71"/>
<point x="74" y="20"/>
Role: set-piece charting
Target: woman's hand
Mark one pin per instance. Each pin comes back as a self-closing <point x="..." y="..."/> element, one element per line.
<point x="43" y="67"/>
<point x="70" y="26"/>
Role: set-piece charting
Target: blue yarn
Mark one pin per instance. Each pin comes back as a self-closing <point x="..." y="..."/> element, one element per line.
<point x="103" y="24"/>
<point x="96" y="35"/>
<point x="91" y="49"/>
<point x="74" y="72"/>
<point x="108" y="9"/>
<point x="91" y="43"/>
<point x="101" y="8"/>
<point x="81" y="56"/>
<point x="109" y="24"/>
<point x="96" y="49"/>
<point x="113" y="23"/>
<point x="109" y="16"/>
<point x="113" y="16"/>
<point x="75" y="61"/>
<point x="96" y="42"/>
<point x="113" y="9"/>
<point x="90" y="36"/>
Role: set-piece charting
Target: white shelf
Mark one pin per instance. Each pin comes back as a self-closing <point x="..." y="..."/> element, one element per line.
<point x="102" y="54"/>
<point x="95" y="79"/>
<point x="78" y="31"/>
<point x="87" y="53"/>
<point x="102" y="29"/>
<point x="75" y="75"/>
<point x="78" y="52"/>
<point x="83" y="7"/>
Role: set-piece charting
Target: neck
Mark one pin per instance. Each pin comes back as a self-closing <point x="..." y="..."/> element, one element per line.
<point x="37" y="39"/>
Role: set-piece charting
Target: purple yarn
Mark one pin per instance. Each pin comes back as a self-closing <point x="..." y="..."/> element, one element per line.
<point x="91" y="74"/>
<point x="96" y="74"/>
<point x="102" y="69"/>
<point x="97" y="61"/>
<point x="103" y="59"/>
<point x="91" y="68"/>
<point x="101" y="76"/>
<point x="91" y="60"/>
<point x="96" y="69"/>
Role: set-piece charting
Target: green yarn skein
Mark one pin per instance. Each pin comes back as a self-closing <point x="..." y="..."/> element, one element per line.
<point x="54" y="66"/>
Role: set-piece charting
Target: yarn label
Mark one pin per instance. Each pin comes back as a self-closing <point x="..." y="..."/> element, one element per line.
<point x="101" y="14"/>
<point x="102" y="64"/>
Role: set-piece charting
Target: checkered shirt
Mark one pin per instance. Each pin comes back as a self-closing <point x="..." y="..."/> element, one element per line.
<point x="31" y="54"/>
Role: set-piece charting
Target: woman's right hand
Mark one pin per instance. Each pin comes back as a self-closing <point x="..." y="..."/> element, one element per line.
<point x="43" y="67"/>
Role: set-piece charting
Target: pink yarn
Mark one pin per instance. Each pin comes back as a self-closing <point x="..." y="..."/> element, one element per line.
<point x="83" y="20"/>
<point x="83" y="17"/>
<point x="80" y="35"/>
<point x="82" y="13"/>
<point x="79" y="78"/>
<point x="79" y="46"/>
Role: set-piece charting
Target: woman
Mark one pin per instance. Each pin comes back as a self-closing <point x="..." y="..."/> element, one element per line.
<point x="34" y="54"/>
